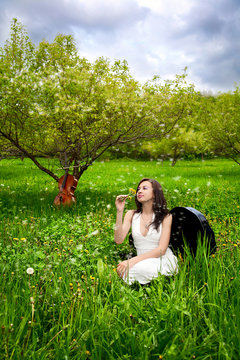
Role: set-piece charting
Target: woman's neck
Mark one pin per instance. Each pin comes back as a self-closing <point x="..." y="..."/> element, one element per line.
<point x="147" y="208"/>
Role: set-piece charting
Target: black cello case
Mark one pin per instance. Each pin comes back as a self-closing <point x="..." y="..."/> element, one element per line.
<point x="189" y="225"/>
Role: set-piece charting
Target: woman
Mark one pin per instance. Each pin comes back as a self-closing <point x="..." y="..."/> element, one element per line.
<point x="151" y="228"/>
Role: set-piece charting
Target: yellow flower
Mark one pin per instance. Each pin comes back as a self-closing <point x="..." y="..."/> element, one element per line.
<point x="132" y="191"/>
<point x="88" y="353"/>
<point x="60" y="278"/>
<point x="71" y="284"/>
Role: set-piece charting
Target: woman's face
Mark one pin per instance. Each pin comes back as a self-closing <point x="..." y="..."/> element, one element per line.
<point x="145" y="192"/>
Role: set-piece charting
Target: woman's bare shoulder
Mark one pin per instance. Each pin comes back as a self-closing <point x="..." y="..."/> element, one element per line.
<point x="129" y="214"/>
<point x="167" y="220"/>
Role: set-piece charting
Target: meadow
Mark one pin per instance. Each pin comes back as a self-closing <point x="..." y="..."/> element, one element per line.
<point x="74" y="306"/>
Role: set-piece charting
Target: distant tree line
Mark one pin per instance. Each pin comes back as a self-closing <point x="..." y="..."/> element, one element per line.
<point x="210" y="129"/>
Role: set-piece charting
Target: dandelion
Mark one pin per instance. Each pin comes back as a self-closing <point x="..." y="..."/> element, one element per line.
<point x="131" y="194"/>
<point x="30" y="271"/>
<point x="132" y="191"/>
<point x="88" y="353"/>
<point x="196" y="189"/>
<point x="94" y="233"/>
<point x="176" y="178"/>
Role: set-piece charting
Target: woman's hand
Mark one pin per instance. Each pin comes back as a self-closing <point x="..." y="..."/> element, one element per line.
<point x="124" y="266"/>
<point x="120" y="202"/>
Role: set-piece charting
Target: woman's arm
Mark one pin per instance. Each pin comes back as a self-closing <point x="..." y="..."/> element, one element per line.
<point x="122" y="227"/>
<point x="124" y="266"/>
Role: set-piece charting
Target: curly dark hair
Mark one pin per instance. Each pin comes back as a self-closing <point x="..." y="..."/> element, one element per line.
<point x="159" y="204"/>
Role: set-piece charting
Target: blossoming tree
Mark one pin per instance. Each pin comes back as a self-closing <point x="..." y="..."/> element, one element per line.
<point x="55" y="103"/>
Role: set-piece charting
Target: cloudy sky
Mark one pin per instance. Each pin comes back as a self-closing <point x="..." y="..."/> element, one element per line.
<point x="156" y="37"/>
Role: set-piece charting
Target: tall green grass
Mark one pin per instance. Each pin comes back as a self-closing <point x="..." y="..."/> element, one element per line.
<point x="74" y="306"/>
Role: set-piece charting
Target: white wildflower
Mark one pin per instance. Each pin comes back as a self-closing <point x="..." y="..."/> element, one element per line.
<point x="93" y="233"/>
<point x="176" y="178"/>
<point x="30" y="271"/>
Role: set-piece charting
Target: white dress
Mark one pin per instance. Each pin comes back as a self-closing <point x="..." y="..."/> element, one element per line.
<point x="146" y="270"/>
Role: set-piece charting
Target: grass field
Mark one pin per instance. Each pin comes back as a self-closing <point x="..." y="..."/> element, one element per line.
<point x="75" y="307"/>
